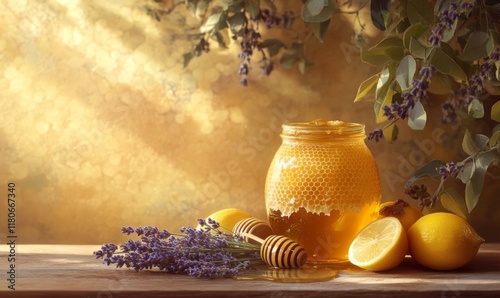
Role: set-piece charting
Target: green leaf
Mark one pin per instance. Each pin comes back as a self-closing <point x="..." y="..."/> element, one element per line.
<point x="405" y="72"/>
<point x="454" y="202"/>
<point x="476" y="108"/>
<point x="417" y="49"/>
<point x="379" y="9"/>
<point x="292" y="55"/>
<point x="419" y="12"/>
<point x="215" y="22"/>
<point x="427" y="170"/>
<point x="237" y="22"/>
<point x="384" y="82"/>
<point x="317" y="11"/>
<point x="495" y="111"/>
<point x="288" y="59"/>
<point x="395" y="24"/>
<point x="440" y="84"/>
<point x="219" y="38"/>
<point x="395" y="53"/>
<point x="495" y="135"/>
<point x="270" y="4"/>
<point x="366" y="88"/>
<point x="472" y="144"/>
<point x="445" y="64"/>
<point x="391" y="133"/>
<point x="474" y="187"/>
<point x="235" y="6"/>
<point x="449" y="33"/>
<point x="467" y="171"/>
<point x="383" y="52"/>
<point x="417" y="117"/>
<point x="200" y="8"/>
<point x="187" y="58"/>
<point x="303" y="64"/>
<point x="252" y="8"/>
<point x="497" y="73"/>
<point x="384" y="79"/>
<point x="377" y="60"/>
<point x="273" y="46"/>
<point x="440" y="5"/>
<point x="479" y="45"/>
<point x="415" y="31"/>
<point x="315" y="6"/>
<point x="319" y="29"/>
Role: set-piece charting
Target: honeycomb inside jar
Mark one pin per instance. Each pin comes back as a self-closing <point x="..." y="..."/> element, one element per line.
<point x="322" y="187"/>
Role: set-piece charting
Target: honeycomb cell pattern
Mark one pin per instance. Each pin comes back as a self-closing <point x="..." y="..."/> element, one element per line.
<point x="321" y="177"/>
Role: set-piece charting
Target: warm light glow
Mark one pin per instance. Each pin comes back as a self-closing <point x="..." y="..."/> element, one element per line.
<point x="102" y="126"/>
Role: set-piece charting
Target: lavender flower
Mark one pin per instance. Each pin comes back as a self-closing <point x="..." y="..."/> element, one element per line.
<point x="420" y="193"/>
<point x="401" y="110"/>
<point x="250" y="41"/>
<point x="376" y="134"/>
<point x="463" y="97"/>
<point x="205" y="252"/>
<point x="447" y="19"/>
<point x="449" y="169"/>
<point x="271" y="20"/>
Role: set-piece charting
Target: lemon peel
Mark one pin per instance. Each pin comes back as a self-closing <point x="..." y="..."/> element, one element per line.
<point x="443" y="241"/>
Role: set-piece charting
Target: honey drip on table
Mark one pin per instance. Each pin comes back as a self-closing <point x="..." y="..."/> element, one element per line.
<point x="307" y="273"/>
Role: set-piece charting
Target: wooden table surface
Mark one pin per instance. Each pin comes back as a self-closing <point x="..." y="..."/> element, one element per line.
<point x="72" y="271"/>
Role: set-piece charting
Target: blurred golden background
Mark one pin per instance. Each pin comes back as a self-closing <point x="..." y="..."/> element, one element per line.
<point x="102" y="126"/>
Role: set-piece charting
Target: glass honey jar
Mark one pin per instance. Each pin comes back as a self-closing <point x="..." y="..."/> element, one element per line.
<point x="322" y="187"/>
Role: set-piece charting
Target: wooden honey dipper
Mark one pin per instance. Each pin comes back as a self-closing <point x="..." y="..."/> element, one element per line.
<point x="277" y="251"/>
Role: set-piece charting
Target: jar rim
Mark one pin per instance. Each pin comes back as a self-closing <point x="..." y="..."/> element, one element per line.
<point x="320" y="128"/>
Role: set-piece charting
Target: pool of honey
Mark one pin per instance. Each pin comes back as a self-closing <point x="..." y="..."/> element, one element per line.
<point x="326" y="238"/>
<point x="305" y="274"/>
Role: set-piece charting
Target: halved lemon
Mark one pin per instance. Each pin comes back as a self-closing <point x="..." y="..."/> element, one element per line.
<point x="381" y="245"/>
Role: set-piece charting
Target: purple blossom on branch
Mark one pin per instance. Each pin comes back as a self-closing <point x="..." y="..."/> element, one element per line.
<point x="251" y="41"/>
<point x="450" y="169"/>
<point x="204" y="252"/>
<point x="462" y="97"/>
<point x="376" y="134"/>
<point x="446" y="20"/>
<point x="401" y="110"/>
<point x="416" y="94"/>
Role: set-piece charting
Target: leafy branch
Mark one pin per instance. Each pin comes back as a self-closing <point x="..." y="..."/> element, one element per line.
<point x="457" y="54"/>
<point x="244" y="21"/>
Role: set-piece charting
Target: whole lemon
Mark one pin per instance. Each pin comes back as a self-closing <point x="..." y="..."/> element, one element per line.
<point x="401" y="210"/>
<point x="227" y="218"/>
<point x="443" y="241"/>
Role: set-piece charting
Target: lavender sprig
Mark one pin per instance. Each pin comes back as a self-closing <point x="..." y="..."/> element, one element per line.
<point x="463" y="97"/>
<point x="450" y="169"/>
<point x="401" y="111"/>
<point x="251" y="41"/>
<point x="446" y="20"/>
<point x="204" y="252"/>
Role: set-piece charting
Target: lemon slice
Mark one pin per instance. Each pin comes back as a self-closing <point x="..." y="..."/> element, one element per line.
<point x="381" y="245"/>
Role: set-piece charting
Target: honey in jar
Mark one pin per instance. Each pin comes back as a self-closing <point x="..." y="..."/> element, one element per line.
<point x="322" y="187"/>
